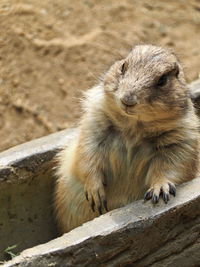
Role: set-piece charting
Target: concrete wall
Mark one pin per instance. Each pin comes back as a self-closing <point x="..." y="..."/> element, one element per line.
<point x="139" y="235"/>
<point x="26" y="192"/>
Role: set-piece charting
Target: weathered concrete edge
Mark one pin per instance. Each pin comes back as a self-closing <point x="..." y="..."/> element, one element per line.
<point x="137" y="215"/>
<point x="39" y="145"/>
<point x="31" y="156"/>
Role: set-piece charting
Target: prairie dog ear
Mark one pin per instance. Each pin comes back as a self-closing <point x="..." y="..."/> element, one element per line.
<point x="116" y="67"/>
<point x="112" y="76"/>
<point x="124" y="67"/>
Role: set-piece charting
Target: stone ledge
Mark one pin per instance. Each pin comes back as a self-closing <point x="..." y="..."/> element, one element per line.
<point x="139" y="234"/>
<point x="32" y="155"/>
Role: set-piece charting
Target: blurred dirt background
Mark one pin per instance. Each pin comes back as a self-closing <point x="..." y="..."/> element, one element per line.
<point x="50" y="51"/>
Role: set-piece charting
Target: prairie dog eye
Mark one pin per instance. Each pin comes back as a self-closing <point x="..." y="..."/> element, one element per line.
<point x="124" y="68"/>
<point x="162" y="80"/>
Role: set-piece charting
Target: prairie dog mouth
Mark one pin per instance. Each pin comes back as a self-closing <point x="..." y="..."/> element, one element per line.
<point x="128" y="109"/>
<point x="146" y="112"/>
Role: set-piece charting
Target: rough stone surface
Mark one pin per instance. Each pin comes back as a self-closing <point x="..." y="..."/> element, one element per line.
<point x="139" y="234"/>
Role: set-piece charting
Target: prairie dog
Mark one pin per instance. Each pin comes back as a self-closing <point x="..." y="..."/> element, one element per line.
<point x="138" y="133"/>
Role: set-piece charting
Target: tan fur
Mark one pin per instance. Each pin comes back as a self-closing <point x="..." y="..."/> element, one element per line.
<point x="123" y="151"/>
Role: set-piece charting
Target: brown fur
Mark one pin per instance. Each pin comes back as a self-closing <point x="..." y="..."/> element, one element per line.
<point x="149" y="143"/>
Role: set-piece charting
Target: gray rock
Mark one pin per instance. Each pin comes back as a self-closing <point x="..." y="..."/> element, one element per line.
<point x="138" y="234"/>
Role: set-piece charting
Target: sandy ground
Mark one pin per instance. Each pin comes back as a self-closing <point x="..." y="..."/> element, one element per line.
<point x="50" y="51"/>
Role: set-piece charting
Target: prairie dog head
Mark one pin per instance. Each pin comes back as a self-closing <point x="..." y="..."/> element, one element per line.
<point x="149" y="83"/>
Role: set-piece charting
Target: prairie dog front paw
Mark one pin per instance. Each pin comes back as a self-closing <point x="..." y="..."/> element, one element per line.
<point x="95" y="194"/>
<point x="163" y="190"/>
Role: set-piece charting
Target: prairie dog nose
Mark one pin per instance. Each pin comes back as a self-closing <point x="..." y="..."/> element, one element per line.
<point x="129" y="100"/>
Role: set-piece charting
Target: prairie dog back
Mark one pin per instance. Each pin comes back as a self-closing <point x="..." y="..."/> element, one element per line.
<point x="138" y="136"/>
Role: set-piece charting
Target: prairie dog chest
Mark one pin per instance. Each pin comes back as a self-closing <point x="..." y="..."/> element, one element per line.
<point x="126" y="163"/>
<point x="127" y="159"/>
